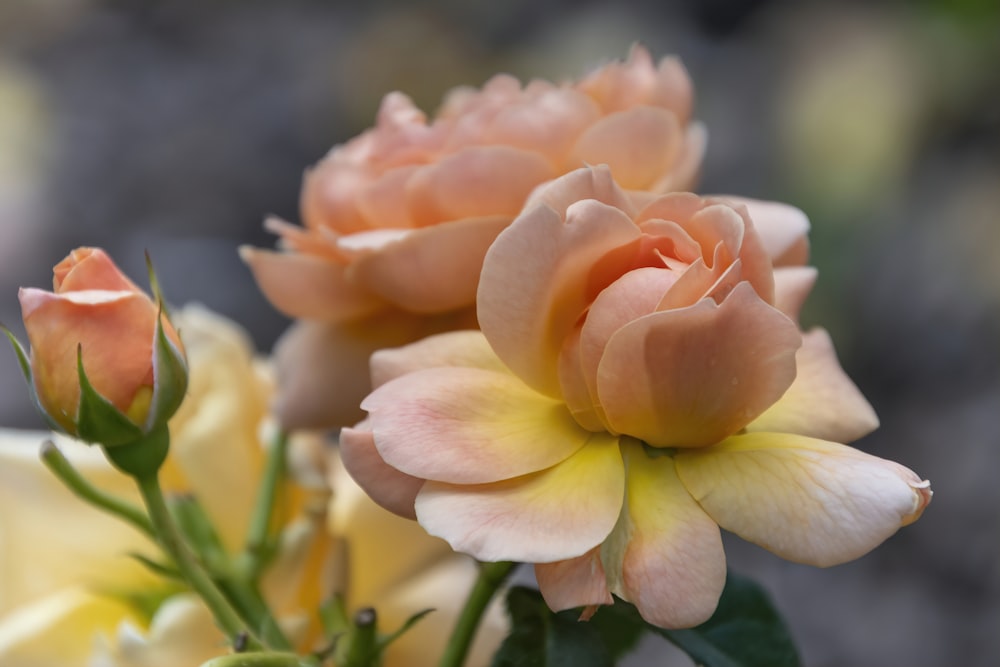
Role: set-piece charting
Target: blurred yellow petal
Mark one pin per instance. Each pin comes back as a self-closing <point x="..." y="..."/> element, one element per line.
<point x="58" y="630"/>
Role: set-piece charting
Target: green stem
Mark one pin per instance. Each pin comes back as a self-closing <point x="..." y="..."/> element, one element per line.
<point x="57" y="462"/>
<point x="169" y="537"/>
<point x="254" y="557"/>
<point x="261" y="660"/>
<point x="491" y="576"/>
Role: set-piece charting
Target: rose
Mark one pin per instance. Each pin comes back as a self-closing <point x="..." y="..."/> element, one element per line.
<point x="91" y="609"/>
<point x="639" y="381"/>
<point x="106" y="364"/>
<point x="398" y="220"/>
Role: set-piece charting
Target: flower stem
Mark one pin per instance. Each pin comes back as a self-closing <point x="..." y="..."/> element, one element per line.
<point x="169" y="537"/>
<point x="261" y="660"/>
<point x="60" y="466"/>
<point x="253" y="559"/>
<point x="491" y="576"/>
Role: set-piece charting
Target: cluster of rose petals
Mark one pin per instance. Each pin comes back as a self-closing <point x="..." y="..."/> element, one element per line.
<point x="639" y="381"/>
<point x="397" y="220"/>
<point x="96" y="308"/>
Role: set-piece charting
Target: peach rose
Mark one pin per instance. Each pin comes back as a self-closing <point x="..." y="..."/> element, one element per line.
<point x="398" y="220"/>
<point x="97" y="312"/>
<point x="639" y="381"/>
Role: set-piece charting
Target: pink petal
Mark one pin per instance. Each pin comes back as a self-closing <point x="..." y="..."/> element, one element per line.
<point x="455" y="348"/>
<point x="665" y="555"/>
<point x="683" y="174"/>
<point x="639" y="145"/>
<point x="469" y="426"/>
<point x="692" y="376"/>
<point x="807" y="500"/>
<point x="329" y="195"/>
<point x="556" y="514"/>
<point x="792" y="285"/>
<point x="306" y="286"/>
<point x="822" y="402"/>
<point x="632" y="296"/>
<point x="547" y="123"/>
<point x="434" y="269"/>
<point x="390" y="488"/>
<point x="783" y="229"/>
<point x="323" y="366"/>
<point x="586" y="183"/>
<point x="382" y="201"/>
<point x="575" y="582"/>
<point x="476" y="182"/>
<point x="526" y="313"/>
<point x="378" y="567"/>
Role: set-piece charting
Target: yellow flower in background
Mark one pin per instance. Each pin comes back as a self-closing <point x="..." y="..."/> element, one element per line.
<point x="71" y="596"/>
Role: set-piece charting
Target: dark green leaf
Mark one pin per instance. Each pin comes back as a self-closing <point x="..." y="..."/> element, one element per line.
<point x="540" y="638"/>
<point x="744" y="631"/>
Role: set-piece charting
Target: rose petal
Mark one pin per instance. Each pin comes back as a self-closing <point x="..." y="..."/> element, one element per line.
<point x="822" y="402"/>
<point x="90" y="269"/>
<point x="526" y="314"/>
<point x="547" y="123"/>
<point x="807" y="500"/>
<point x="373" y="536"/>
<point x="475" y="182"/>
<point x="575" y="582"/>
<point x="632" y="296"/>
<point x="454" y="348"/>
<point x="783" y="229"/>
<point x="555" y="514"/>
<point x="692" y="376"/>
<point x="114" y="334"/>
<point x="305" y="286"/>
<point x="683" y="175"/>
<point x="792" y="285"/>
<point x="587" y="183"/>
<point x="390" y="488"/>
<point x="665" y="555"/>
<point x="639" y="145"/>
<point x="323" y="366"/>
<point x="434" y="269"/>
<point x="469" y="426"/>
<point x="60" y="629"/>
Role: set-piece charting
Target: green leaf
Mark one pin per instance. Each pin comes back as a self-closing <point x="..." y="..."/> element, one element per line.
<point x="744" y="631"/>
<point x="540" y="638"/>
<point x="97" y="420"/>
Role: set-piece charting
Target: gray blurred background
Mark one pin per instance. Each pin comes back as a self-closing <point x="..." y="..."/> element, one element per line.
<point x="177" y="126"/>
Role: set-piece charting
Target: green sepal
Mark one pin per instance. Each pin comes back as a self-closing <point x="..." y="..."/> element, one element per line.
<point x="170" y="376"/>
<point x="97" y="420"/>
<point x="25" y="364"/>
<point x="141" y="458"/>
<point x="261" y="659"/>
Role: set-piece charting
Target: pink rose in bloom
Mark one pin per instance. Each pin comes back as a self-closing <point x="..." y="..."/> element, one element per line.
<point x="640" y="380"/>
<point x="398" y="220"/>
<point x="96" y="309"/>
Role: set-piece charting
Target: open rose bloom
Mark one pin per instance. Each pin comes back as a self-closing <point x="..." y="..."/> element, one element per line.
<point x="397" y="221"/>
<point x="640" y="381"/>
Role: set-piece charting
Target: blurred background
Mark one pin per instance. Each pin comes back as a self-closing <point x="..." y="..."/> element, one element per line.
<point x="176" y="126"/>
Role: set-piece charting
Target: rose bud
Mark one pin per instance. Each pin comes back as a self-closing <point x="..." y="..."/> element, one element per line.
<point x="106" y="365"/>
